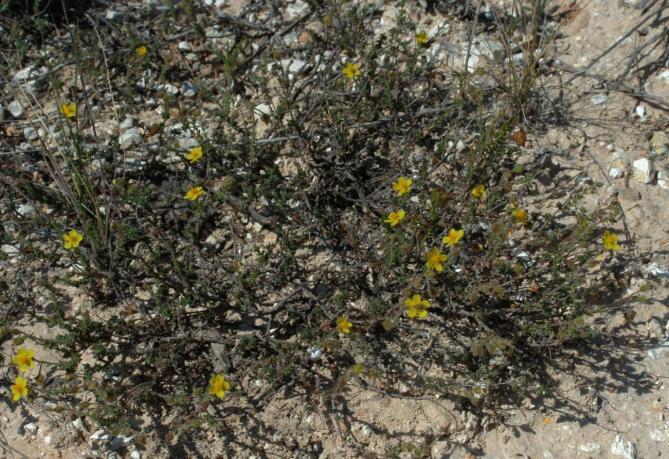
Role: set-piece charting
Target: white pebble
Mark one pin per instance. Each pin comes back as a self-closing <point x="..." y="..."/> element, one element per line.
<point x="16" y="109"/>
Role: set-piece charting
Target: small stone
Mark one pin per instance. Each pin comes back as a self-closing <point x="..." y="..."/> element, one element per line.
<point x="25" y="210"/>
<point x="169" y="89"/>
<point x="78" y="424"/>
<point x="643" y="170"/>
<point x="119" y="442"/>
<point x="47" y="439"/>
<point x="659" y="143"/>
<point x="640" y="111"/>
<point x="292" y="66"/>
<point x="635" y="3"/>
<point x="16" y="109"/>
<point x="31" y="428"/>
<point x="297" y="9"/>
<point x="658" y="435"/>
<point x="113" y="15"/>
<point x="615" y="173"/>
<point x="663" y="179"/>
<point x="126" y="124"/>
<point x="623" y="448"/>
<point x="30" y="133"/>
<point x="11" y="250"/>
<point x="97" y="435"/>
<point x="664" y="75"/>
<point x="136" y="454"/>
<point x="657" y="271"/>
<point x="188" y="89"/>
<point x="589" y="447"/>
<point x="130" y="137"/>
<point x="305" y="38"/>
<point x="29" y="73"/>
<point x="114" y="456"/>
<point x="460" y="146"/>
<point x="262" y="109"/>
<point x="314" y="353"/>
<point x="184" y="46"/>
<point x="599" y="99"/>
<point x="440" y="450"/>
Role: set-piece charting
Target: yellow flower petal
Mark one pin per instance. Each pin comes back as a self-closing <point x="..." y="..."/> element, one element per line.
<point x="453" y="237"/>
<point x="610" y="241"/>
<point x="19" y="388"/>
<point x="194" y="154"/>
<point x="218" y="385"/>
<point x="23" y="359"/>
<point x="351" y="70"/>
<point x="402" y="186"/>
<point x="194" y="193"/>
<point x="435" y="260"/>
<point x="344" y="325"/>
<point x="68" y="110"/>
<point x="478" y="192"/>
<point x="72" y="239"/>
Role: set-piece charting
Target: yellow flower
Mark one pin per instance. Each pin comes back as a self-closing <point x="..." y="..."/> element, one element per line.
<point x="435" y="260"/>
<point x="394" y="218"/>
<point x="68" y="110"/>
<point x="478" y="192"/>
<point x="520" y="215"/>
<point x="610" y="241"/>
<point x="72" y="239"/>
<point x="351" y="70"/>
<point x="24" y="359"/>
<point x="402" y="186"/>
<point x="421" y="38"/>
<point x="453" y="237"/>
<point x="416" y="307"/>
<point x="343" y="325"/>
<point x="194" y="154"/>
<point x="194" y="193"/>
<point x="218" y="385"/>
<point x="19" y="389"/>
<point x="141" y="51"/>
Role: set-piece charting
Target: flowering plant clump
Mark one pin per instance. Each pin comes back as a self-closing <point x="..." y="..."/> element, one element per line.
<point x="348" y="240"/>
